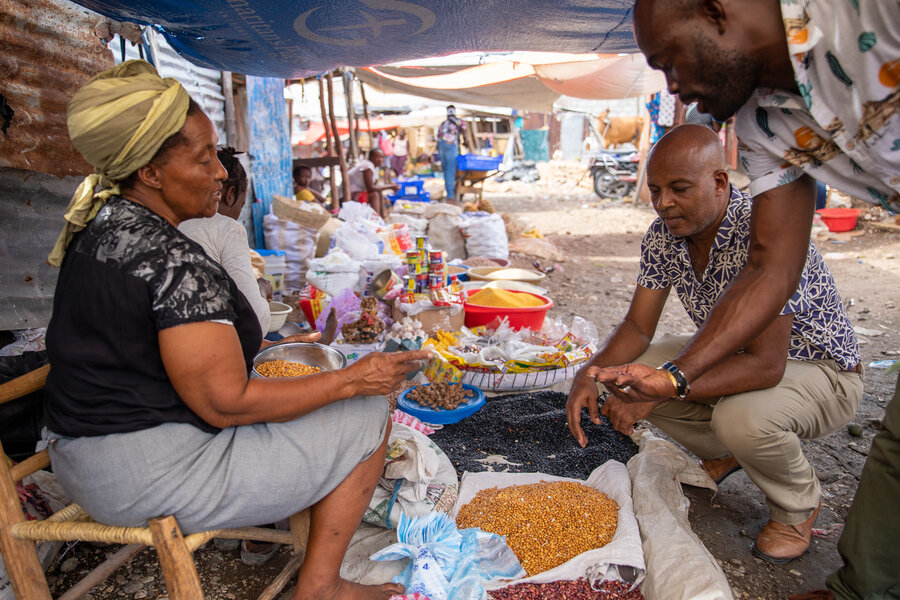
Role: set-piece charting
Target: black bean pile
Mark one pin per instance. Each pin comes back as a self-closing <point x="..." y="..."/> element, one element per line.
<point x="570" y="590"/>
<point x="530" y="430"/>
<point x="441" y="396"/>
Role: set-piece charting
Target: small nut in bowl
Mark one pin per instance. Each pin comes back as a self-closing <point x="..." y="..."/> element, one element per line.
<point x="324" y="358"/>
<point x="278" y="311"/>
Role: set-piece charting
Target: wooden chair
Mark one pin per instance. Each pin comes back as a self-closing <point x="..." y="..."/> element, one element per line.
<point x="18" y="535"/>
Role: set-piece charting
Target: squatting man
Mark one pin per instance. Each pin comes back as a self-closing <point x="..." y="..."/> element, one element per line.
<point x="798" y="379"/>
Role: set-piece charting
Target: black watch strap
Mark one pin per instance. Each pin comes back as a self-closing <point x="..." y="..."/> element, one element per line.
<point x="682" y="387"/>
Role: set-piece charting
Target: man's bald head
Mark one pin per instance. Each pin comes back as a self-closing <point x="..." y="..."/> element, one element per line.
<point x="696" y="145"/>
<point x="688" y="182"/>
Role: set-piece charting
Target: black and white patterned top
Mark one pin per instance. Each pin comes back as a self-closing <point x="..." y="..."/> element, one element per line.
<point x="128" y="275"/>
<point x="821" y="329"/>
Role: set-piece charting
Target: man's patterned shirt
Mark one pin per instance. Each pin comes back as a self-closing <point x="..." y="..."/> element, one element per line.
<point x="821" y="329"/>
<point x="844" y="127"/>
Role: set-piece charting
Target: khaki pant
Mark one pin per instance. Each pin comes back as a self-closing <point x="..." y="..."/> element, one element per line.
<point x="762" y="429"/>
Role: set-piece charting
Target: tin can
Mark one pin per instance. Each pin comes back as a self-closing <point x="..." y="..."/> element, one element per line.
<point x="421" y="283"/>
<point x="435" y="281"/>
<point x="438" y="269"/>
<point x="421" y="242"/>
<point x="419" y="269"/>
<point x="413" y="256"/>
<point x="436" y="257"/>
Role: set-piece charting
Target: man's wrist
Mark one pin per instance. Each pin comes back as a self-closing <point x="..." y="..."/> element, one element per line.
<point x="682" y="387"/>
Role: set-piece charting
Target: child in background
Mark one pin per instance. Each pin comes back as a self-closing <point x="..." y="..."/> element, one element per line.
<point x="302" y="191"/>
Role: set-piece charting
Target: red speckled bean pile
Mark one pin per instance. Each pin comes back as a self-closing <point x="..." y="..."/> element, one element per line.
<point x="570" y="590"/>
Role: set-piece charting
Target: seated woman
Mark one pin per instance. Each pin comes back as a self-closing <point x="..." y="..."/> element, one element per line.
<point x="150" y="408"/>
<point x="224" y="239"/>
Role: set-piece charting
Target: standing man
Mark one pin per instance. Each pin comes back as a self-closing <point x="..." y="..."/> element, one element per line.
<point x="798" y="379"/>
<point x="448" y="140"/>
<point x="816" y="88"/>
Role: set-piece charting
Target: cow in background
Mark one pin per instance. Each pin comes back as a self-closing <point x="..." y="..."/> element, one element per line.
<point x="619" y="130"/>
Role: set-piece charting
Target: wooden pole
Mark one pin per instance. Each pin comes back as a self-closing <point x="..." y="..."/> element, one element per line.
<point x="230" y="122"/>
<point x="345" y="181"/>
<point x="328" y="145"/>
<point x="352" y="123"/>
<point x="362" y="93"/>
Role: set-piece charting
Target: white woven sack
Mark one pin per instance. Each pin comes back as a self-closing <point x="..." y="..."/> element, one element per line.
<point x="297" y="242"/>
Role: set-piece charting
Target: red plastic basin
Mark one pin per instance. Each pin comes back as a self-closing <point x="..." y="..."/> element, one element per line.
<point x="531" y="317"/>
<point x="839" y="219"/>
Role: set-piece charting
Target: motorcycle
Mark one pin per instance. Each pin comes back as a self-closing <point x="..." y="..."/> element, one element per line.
<point x="615" y="173"/>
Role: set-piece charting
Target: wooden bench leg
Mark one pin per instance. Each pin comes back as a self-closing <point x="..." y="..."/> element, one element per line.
<point x="300" y="530"/>
<point x="23" y="567"/>
<point x="176" y="560"/>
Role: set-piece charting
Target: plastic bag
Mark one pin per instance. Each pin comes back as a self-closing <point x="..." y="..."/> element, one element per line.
<point x="447" y="563"/>
<point x="334" y="273"/>
<point x="358" y="239"/>
<point x="417" y="227"/>
<point x="418" y="479"/>
<point x="485" y="235"/>
<point x="395" y="238"/>
<point x="444" y="230"/>
<point x="357" y="211"/>
<point x="298" y="243"/>
<point x="346" y="309"/>
<point x="26" y="340"/>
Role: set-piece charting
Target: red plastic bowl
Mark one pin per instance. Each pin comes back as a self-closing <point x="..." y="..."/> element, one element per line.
<point x="839" y="219"/>
<point x="531" y="317"/>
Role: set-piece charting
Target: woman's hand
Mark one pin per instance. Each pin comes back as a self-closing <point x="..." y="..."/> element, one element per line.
<point x="381" y="373"/>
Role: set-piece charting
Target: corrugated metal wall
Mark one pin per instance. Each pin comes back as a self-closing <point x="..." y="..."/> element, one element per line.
<point x="49" y="51"/>
<point x="204" y="85"/>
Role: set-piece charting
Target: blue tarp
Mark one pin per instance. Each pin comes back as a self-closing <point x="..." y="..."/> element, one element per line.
<point x="300" y="38"/>
<point x="270" y="147"/>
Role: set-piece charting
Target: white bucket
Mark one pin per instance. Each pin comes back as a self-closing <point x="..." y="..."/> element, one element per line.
<point x="275" y="268"/>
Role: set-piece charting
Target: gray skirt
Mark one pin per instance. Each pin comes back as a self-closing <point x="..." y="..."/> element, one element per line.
<point x="248" y="475"/>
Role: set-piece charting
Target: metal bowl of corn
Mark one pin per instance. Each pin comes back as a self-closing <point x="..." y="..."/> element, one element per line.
<point x="325" y="358"/>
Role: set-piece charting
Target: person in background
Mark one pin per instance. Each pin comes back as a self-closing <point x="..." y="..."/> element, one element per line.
<point x="401" y="149"/>
<point x="224" y="239"/>
<point x="448" y="143"/>
<point x="363" y="187"/>
<point x="798" y="379"/>
<point x="815" y="87"/>
<point x="302" y="191"/>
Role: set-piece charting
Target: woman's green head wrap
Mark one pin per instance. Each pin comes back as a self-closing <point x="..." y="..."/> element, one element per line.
<point x="118" y="121"/>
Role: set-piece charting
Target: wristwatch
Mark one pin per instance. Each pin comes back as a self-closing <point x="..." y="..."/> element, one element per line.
<point x="682" y="387"/>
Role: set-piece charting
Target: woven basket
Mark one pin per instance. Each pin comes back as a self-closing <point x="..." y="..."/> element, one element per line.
<point x="308" y="214"/>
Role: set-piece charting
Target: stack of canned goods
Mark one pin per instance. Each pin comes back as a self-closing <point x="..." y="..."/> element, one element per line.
<point x="425" y="269"/>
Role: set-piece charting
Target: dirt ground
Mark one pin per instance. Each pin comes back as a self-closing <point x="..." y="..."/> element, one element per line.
<point x="601" y="241"/>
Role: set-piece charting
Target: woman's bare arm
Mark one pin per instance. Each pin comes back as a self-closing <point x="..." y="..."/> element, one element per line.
<point x="205" y="364"/>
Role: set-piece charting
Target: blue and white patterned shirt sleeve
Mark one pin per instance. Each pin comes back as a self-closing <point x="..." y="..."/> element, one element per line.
<point x="652" y="274"/>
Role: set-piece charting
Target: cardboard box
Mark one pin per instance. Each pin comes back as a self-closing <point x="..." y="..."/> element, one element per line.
<point x="437" y="318"/>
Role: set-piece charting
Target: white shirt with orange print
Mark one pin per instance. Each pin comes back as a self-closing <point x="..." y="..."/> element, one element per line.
<point x="844" y="127"/>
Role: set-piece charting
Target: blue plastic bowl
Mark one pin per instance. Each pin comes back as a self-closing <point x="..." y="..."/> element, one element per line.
<point x="440" y="416"/>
